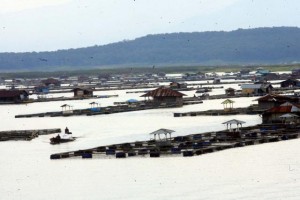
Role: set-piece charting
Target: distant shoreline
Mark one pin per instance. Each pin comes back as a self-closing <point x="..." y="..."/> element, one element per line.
<point x="143" y="70"/>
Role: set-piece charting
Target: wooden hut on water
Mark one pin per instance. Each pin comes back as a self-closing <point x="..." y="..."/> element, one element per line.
<point x="165" y="96"/>
<point x="272" y="100"/>
<point x="230" y="92"/>
<point x="83" y="92"/>
<point x="51" y="82"/>
<point x="13" y="96"/>
<point x="290" y="83"/>
<point x="177" y="85"/>
<point x="257" y="88"/>
<point x="42" y="89"/>
<point x="274" y="114"/>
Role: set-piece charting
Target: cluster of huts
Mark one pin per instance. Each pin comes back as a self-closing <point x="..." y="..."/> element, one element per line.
<point x="278" y="109"/>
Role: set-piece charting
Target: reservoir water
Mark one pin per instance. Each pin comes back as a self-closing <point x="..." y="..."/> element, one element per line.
<point x="269" y="171"/>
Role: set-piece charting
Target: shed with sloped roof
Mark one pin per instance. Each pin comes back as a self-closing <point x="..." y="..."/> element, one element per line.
<point x="271" y="100"/>
<point x="13" y="96"/>
<point x="83" y="92"/>
<point x="273" y="114"/>
<point x="165" y="96"/>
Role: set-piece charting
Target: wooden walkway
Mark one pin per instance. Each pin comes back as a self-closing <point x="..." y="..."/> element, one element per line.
<point x="120" y="107"/>
<point x="72" y="98"/>
<point x="233" y="111"/>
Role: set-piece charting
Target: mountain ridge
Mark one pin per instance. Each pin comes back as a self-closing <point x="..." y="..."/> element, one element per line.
<point x="275" y="45"/>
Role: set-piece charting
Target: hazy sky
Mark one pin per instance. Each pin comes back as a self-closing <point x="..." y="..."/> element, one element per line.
<point x="47" y="25"/>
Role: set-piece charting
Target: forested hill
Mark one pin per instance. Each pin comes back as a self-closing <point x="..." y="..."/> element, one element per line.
<point x="244" y="46"/>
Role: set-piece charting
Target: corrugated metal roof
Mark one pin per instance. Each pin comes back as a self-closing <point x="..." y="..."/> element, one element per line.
<point x="12" y="93"/>
<point x="279" y="98"/>
<point x="163" y="92"/>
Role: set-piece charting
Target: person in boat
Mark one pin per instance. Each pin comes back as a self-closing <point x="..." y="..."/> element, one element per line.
<point x="67" y="131"/>
<point x="58" y="137"/>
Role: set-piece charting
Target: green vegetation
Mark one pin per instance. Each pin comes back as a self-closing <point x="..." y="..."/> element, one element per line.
<point x="240" y="47"/>
<point x="142" y="70"/>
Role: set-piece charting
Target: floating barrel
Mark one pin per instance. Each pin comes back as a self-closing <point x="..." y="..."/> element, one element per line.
<point x="87" y="155"/>
<point x="113" y="147"/>
<point x="177" y="114"/>
<point x="293" y="136"/>
<point x="197" y="137"/>
<point x="205" y="143"/>
<point x="126" y="146"/>
<point x="211" y="150"/>
<point x="78" y="153"/>
<point x="249" y="142"/>
<point x="55" y="156"/>
<point x="87" y="151"/>
<point x="101" y="149"/>
<point x="165" y="148"/>
<point x="188" y="153"/>
<point x="131" y="153"/>
<point x="65" y="155"/>
<point x="273" y="140"/>
<point x="193" y="114"/>
<point x="240" y="144"/>
<point x="120" y="155"/>
<point x="181" y="138"/>
<point x="199" y="152"/>
<point x="142" y="152"/>
<point x="197" y="146"/>
<point x="138" y="144"/>
<point x="284" y="137"/>
<point x="151" y="142"/>
<point x="154" y="154"/>
<point x="110" y="152"/>
<point x="188" y="144"/>
<point x="176" y="150"/>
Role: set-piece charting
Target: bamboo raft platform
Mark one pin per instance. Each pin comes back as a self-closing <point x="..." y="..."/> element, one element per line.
<point x="106" y="88"/>
<point x="26" y="134"/>
<point x="223" y="96"/>
<point x="180" y="89"/>
<point x="107" y="110"/>
<point x="189" y="145"/>
<point x="67" y="89"/>
<point x="71" y="98"/>
<point x="233" y="111"/>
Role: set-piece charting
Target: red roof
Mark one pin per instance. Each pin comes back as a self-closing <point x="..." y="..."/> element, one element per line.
<point x="280" y="109"/>
<point x="163" y="92"/>
<point x="283" y="109"/>
<point x="279" y="98"/>
<point x="12" y="93"/>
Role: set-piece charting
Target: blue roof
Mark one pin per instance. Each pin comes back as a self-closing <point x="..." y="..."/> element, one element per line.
<point x="132" y="100"/>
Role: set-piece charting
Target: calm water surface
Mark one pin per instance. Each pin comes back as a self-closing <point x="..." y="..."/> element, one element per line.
<point x="244" y="173"/>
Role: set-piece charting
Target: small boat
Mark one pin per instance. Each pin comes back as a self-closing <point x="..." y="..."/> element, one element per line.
<point x="67" y="137"/>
